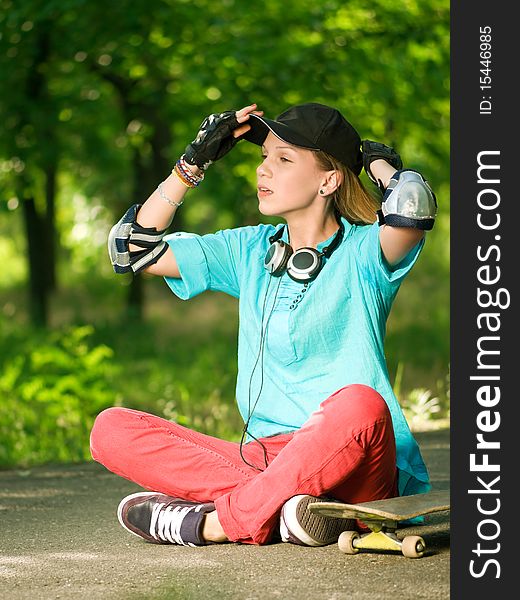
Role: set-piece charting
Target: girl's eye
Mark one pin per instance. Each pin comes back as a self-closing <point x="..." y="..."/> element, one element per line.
<point x="282" y="158"/>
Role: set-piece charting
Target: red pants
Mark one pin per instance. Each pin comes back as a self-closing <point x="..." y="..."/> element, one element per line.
<point x="346" y="450"/>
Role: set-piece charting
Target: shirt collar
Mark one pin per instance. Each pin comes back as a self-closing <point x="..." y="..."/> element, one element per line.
<point x="348" y="226"/>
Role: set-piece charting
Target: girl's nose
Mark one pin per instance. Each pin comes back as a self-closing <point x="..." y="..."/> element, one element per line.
<point x="263" y="169"/>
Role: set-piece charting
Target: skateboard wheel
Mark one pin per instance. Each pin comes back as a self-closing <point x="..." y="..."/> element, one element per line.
<point x="346" y="542"/>
<point x="413" y="546"/>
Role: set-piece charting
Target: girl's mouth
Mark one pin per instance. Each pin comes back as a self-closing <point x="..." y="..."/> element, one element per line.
<point x="263" y="191"/>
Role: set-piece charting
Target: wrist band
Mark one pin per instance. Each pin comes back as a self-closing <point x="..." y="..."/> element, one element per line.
<point x="184" y="173"/>
<point x="185" y="166"/>
<point x="165" y="197"/>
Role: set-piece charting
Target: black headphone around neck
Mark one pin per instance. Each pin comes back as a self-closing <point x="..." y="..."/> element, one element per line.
<point x="302" y="265"/>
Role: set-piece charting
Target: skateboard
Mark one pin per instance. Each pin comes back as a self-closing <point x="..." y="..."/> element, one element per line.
<point x="382" y="518"/>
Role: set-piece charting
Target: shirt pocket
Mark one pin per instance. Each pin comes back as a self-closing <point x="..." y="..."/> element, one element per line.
<point x="279" y="343"/>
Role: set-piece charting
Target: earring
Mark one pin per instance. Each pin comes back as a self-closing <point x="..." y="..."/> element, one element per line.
<point x="322" y="192"/>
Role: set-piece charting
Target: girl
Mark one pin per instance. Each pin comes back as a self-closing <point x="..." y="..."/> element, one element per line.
<point x="320" y="417"/>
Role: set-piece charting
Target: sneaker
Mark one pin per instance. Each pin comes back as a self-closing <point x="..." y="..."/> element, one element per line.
<point x="161" y="519"/>
<point x="299" y="526"/>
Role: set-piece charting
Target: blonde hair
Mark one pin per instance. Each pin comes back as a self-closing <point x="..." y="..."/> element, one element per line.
<point x="351" y="199"/>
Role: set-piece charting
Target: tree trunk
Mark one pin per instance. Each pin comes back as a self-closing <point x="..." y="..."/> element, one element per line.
<point x="49" y="225"/>
<point x="40" y="229"/>
<point x="37" y="257"/>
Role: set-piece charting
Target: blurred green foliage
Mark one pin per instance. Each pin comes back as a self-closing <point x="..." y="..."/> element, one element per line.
<point x="53" y="384"/>
<point x="51" y="387"/>
<point x="98" y="101"/>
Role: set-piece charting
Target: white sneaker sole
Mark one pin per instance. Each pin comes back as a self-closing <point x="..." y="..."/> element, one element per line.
<point x="310" y="529"/>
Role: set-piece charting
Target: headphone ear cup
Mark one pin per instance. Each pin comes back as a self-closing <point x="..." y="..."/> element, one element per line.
<point x="304" y="264"/>
<point x="277" y="257"/>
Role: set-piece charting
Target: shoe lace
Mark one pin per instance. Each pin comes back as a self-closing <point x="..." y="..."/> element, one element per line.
<point x="166" y="521"/>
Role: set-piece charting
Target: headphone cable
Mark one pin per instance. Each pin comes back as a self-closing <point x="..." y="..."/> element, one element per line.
<point x="260" y="355"/>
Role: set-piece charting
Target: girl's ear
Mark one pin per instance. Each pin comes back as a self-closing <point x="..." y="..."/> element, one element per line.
<point x="331" y="181"/>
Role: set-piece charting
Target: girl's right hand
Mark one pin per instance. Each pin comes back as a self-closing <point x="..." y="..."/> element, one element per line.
<point x="218" y="134"/>
<point x="242" y="116"/>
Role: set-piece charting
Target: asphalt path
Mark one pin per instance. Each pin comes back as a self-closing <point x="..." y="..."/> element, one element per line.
<point x="59" y="538"/>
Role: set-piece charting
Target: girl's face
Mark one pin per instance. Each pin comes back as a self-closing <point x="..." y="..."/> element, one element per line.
<point x="288" y="177"/>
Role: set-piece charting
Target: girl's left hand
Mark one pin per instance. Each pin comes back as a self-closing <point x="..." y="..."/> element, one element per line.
<point x="373" y="151"/>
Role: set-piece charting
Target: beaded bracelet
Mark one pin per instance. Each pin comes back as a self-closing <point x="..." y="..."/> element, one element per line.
<point x="165" y="197"/>
<point x="184" y="173"/>
<point x="187" y="183"/>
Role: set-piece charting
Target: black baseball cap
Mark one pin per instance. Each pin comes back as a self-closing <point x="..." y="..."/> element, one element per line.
<point x="314" y="126"/>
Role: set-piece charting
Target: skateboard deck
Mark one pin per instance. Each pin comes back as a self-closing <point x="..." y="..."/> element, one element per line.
<point x="382" y="518"/>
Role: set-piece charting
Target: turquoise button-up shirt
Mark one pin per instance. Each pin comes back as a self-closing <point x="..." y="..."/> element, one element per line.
<point x="318" y="339"/>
